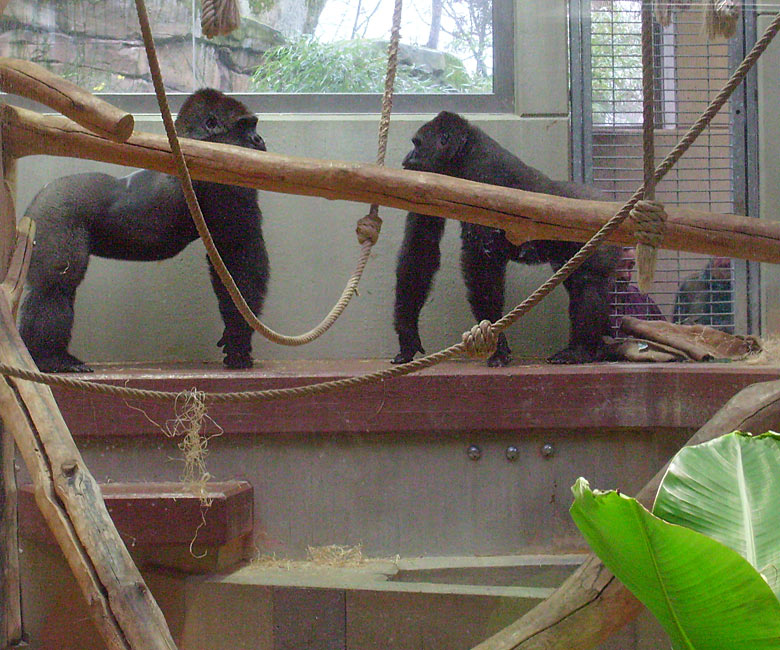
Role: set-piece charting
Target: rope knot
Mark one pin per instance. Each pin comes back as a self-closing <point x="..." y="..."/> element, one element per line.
<point x="219" y="17"/>
<point x="481" y="340"/>
<point x="368" y="227"/>
<point x="649" y="218"/>
<point x="721" y="18"/>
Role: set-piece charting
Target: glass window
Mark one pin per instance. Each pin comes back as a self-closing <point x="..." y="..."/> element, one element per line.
<point x="306" y="55"/>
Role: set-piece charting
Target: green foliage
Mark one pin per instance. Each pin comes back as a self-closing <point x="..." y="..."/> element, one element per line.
<point x="260" y="6"/>
<point x="697" y="569"/>
<point x="616" y="54"/>
<point x="307" y="65"/>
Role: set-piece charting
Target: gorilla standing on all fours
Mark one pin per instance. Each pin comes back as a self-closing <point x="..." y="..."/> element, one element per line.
<point x="144" y="217"/>
<point x="448" y="144"/>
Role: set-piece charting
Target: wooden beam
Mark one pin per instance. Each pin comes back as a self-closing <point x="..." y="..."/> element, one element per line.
<point x="524" y="215"/>
<point x="30" y="80"/>
<point x="70" y="500"/>
<point x="592" y="604"/>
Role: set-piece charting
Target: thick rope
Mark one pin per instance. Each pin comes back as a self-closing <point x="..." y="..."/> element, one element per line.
<point x="219" y="17"/>
<point x="721" y="18"/>
<point x="425" y="362"/>
<point x="649" y="221"/>
<point x="665" y="9"/>
<point x="481" y="341"/>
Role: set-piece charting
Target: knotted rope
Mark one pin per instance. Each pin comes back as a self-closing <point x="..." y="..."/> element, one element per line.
<point x="721" y="18"/>
<point x="665" y="9"/>
<point x="480" y="341"/>
<point x="649" y="219"/>
<point x="219" y="17"/>
<point x="425" y="362"/>
<point x="648" y="216"/>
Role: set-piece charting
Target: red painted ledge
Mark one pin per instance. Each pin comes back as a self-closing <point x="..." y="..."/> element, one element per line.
<point x="449" y="398"/>
<point x="161" y="514"/>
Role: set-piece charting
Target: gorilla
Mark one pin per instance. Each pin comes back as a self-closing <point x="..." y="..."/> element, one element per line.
<point x="143" y="216"/>
<point x="450" y="145"/>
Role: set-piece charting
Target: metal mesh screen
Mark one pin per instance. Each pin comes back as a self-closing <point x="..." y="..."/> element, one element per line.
<point x="689" y="70"/>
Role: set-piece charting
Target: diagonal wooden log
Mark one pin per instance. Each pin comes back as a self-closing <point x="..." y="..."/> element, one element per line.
<point x="30" y="80"/>
<point x="524" y="215"/>
<point x="592" y="604"/>
<point x="122" y="608"/>
<point x="12" y="286"/>
<point x="10" y="582"/>
<point x="10" y="577"/>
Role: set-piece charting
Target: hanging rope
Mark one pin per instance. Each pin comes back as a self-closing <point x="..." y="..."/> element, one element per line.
<point x="425" y="362"/>
<point x="367" y="228"/>
<point x="665" y="9"/>
<point x="721" y="18"/>
<point x="219" y="17"/>
<point x="648" y="216"/>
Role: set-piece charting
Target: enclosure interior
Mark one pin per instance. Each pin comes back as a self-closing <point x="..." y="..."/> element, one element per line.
<point x="388" y="470"/>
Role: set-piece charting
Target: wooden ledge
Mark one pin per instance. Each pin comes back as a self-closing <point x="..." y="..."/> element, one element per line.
<point x="161" y="514"/>
<point x="450" y="398"/>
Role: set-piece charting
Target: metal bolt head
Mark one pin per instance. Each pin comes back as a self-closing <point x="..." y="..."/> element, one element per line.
<point x="512" y="452"/>
<point x="547" y="450"/>
<point x="474" y="452"/>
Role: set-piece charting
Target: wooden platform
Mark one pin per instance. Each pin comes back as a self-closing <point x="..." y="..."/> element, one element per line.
<point x="387" y="467"/>
<point x="452" y="396"/>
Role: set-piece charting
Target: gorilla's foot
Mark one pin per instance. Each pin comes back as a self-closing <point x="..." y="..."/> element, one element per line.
<point x="580" y="354"/>
<point x="61" y="363"/>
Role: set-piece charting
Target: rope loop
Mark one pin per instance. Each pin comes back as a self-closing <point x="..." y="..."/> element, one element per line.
<point x="219" y="17"/>
<point x="368" y="227"/>
<point x="480" y="341"/>
<point x="649" y="218"/>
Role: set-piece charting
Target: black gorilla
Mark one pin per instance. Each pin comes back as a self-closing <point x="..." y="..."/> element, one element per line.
<point x="144" y="216"/>
<point x="450" y="145"/>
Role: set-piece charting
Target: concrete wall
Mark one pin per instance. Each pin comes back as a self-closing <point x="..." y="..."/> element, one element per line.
<point x="166" y="311"/>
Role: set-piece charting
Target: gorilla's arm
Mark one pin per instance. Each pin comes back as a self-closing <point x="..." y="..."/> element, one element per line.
<point x="242" y="248"/>
<point x="418" y="261"/>
<point x="483" y="259"/>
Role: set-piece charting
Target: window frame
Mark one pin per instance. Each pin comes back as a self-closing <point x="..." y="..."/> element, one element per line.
<point x="501" y="100"/>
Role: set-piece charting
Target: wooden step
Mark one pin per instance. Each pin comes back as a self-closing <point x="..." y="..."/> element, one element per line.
<point x="166" y="523"/>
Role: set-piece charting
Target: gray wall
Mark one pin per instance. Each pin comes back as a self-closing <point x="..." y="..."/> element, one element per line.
<point x="166" y="311"/>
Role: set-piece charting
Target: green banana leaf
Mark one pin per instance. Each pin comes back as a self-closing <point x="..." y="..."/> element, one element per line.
<point x="705" y="595"/>
<point x="729" y="489"/>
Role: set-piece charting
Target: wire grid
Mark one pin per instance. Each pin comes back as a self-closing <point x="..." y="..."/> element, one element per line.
<point x="689" y="70"/>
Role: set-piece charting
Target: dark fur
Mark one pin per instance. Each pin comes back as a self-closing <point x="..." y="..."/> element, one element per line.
<point x="450" y="145"/>
<point x="144" y="216"/>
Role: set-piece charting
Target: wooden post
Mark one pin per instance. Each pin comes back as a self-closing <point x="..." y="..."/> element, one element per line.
<point x="524" y="215"/>
<point x="70" y="500"/>
<point x="10" y="581"/>
<point x="10" y="585"/>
